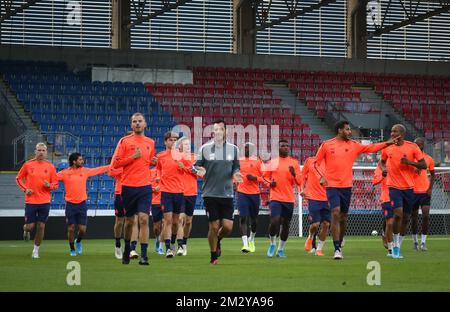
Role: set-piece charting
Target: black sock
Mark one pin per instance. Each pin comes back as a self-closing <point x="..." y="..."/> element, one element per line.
<point x="144" y="250"/>
<point x="185" y="240"/>
<point x="213" y="255"/>
<point x="133" y="245"/>
<point x="180" y="242"/>
<point x="117" y="242"/>
<point x="337" y="245"/>
<point x="79" y="238"/>
<point x="72" y="246"/>
<point x="174" y="238"/>
<point x="127" y="246"/>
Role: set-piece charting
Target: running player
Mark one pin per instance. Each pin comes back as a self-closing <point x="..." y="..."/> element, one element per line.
<point x="135" y="237"/>
<point x="118" y="210"/>
<point x="218" y="163"/>
<point x="74" y="179"/>
<point x="400" y="161"/>
<point x="190" y="196"/>
<point x="339" y="155"/>
<point x="157" y="214"/>
<point x="379" y="177"/>
<point x="319" y="211"/>
<point x="135" y="153"/>
<point x="283" y="173"/>
<point x="37" y="178"/>
<point x="170" y="166"/>
<point x="248" y="196"/>
<point x="423" y="188"/>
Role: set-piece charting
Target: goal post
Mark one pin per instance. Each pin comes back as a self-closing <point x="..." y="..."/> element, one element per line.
<point x="365" y="213"/>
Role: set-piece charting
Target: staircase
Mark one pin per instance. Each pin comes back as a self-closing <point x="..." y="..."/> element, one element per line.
<point x="30" y="133"/>
<point x="369" y="95"/>
<point x="17" y="107"/>
<point x="289" y="100"/>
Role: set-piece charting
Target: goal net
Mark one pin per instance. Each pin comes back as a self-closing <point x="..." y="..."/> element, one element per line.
<point x="365" y="214"/>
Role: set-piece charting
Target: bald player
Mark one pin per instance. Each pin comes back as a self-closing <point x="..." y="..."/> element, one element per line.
<point x="74" y="179"/>
<point x="339" y="155"/>
<point x="249" y="196"/>
<point x="399" y="162"/>
<point x="134" y="153"/>
<point x="283" y="173"/>
<point x="423" y="188"/>
<point x="379" y="177"/>
<point x="319" y="211"/>
<point x="37" y="178"/>
<point x="118" y="210"/>
<point x="190" y="196"/>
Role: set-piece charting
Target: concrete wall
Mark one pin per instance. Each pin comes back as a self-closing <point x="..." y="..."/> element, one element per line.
<point x="8" y="133"/>
<point x="142" y="75"/>
<point x="367" y="121"/>
<point x="80" y="58"/>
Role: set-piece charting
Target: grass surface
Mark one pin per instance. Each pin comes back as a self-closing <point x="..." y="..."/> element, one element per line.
<point x="300" y="271"/>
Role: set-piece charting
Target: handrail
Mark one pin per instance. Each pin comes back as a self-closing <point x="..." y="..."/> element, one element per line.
<point x="10" y="109"/>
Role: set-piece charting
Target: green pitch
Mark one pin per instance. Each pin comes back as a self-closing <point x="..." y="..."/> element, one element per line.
<point x="100" y="271"/>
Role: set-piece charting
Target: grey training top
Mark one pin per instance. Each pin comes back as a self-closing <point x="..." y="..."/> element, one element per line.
<point x="220" y="162"/>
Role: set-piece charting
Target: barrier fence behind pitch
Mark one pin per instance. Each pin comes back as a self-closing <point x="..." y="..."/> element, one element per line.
<point x="365" y="214"/>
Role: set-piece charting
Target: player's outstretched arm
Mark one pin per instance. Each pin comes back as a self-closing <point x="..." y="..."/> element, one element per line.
<point x="419" y="165"/>
<point x="96" y="171"/>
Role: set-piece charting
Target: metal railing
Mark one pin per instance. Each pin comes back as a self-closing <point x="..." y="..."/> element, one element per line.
<point x="14" y="116"/>
<point x="59" y="145"/>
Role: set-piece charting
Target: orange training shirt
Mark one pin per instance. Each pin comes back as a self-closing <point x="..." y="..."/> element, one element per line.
<point x="314" y="190"/>
<point x="32" y="176"/>
<point x="401" y="176"/>
<point x="170" y="173"/>
<point x="135" y="171"/>
<point x="117" y="174"/>
<point x="377" y="179"/>
<point x="75" y="179"/>
<point x="339" y="157"/>
<point x="421" y="181"/>
<point x="251" y="166"/>
<point x="189" y="178"/>
<point x="278" y="170"/>
<point x="154" y="179"/>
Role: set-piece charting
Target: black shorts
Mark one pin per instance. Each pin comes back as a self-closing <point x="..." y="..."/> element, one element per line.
<point x="218" y="208"/>
<point x="420" y="200"/>
<point x="118" y="206"/>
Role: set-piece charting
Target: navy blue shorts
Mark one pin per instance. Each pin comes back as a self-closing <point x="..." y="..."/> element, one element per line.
<point x="137" y="199"/>
<point x="157" y="213"/>
<point x="118" y="206"/>
<point x="189" y="205"/>
<point x="402" y="198"/>
<point x="248" y="204"/>
<point x="420" y="200"/>
<point x="172" y="202"/>
<point x="76" y="213"/>
<point x="282" y="209"/>
<point x="339" y="197"/>
<point x="318" y="211"/>
<point x="36" y="213"/>
<point x="388" y="210"/>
